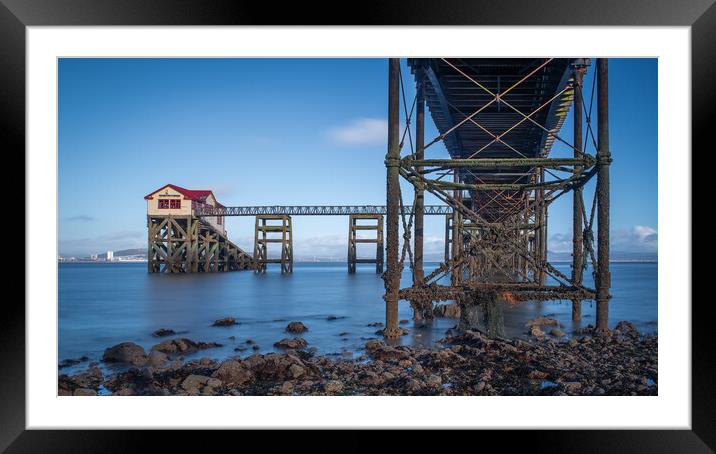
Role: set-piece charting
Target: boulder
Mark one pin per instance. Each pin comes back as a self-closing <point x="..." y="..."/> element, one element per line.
<point x="84" y="392"/>
<point x="627" y="329"/>
<point x="556" y="332"/>
<point x="287" y="387"/>
<point x="536" y="332"/>
<point x="296" y="371"/>
<point x="572" y="387"/>
<point x="451" y="310"/>
<point x="71" y="362"/>
<point x="156" y="358"/>
<point x="294" y="344"/>
<point x="194" y="383"/>
<point x="333" y="387"/>
<point x="163" y="332"/>
<point x="296" y="328"/>
<point x="379" y="350"/>
<point x="183" y="346"/>
<point x="227" y="321"/>
<point x="542" y="321"/>
<point x="233" y="373"/>
<point x="536" y="375"/>
<point x="126" y="352"/>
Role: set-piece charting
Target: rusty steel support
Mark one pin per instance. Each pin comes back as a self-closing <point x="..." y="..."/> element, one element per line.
<point x="603" y="278"/>
<point x="418" y="271"/>
<point x="577" y="238"/>
<point x="456" y="274"/>
<point x="392" y="163"/>
<point x="545" y="233"/>
<point x="539" y="233"/>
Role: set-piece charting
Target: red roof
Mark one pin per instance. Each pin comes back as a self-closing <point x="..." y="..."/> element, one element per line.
<point x="191" y="194"/>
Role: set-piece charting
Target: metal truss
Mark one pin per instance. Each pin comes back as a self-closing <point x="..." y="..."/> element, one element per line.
<point x="317" y="210"/>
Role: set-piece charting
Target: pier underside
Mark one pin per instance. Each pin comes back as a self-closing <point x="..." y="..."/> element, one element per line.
<point x="498" y="120"/>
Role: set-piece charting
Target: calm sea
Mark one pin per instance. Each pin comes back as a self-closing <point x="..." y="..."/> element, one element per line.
<point x="103" y="304"/>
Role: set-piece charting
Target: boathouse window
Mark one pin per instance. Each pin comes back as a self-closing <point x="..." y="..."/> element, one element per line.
<point x="163" y="204"/>
<point x="175" y="204"/>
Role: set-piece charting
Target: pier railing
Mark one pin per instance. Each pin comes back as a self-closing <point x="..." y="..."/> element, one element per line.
<point x="312" y="210"/>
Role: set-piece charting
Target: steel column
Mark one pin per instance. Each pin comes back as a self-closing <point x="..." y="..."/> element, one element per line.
<point x="392" y="163"/>
<point x="577" y="239"/>
<point x="418" y="271"/>
<point x="456" y="275"/>
<point x="603" y="280"/>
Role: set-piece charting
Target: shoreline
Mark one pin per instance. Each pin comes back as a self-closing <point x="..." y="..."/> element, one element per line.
<point x="622" y="362"/>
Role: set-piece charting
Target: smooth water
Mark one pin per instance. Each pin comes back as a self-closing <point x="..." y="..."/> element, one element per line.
<point x="101" y="305"/>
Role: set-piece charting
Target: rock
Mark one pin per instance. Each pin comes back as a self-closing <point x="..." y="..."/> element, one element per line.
<point x="556" y="332"/>
<point x="536" y="332"/>
<point x="374" y="344"/>
<point x="374" y="324"/>
<point x="343" y="334"/>
<point x="228" y="321"/>
<point x="381" y="351"/>
<point x="296" y="371"/>
<point x="404" y="322"/>
<point x="296" y="328"/>
<point x="84" y="392"/>
<point x="571" y="387"/>
<point x="401" y="332"/>
<point x="183" y="346"/>
<point x="157" y="358"/>
<point x="287" y="387"/>
<point x="333" y="387"/>
<point x="193" y="383"/>
<point x="451" y="310"/>
<point x="627" y="329"/>
<point x="589" y="329"/>
<point x="233" y="373"/>
<point x="126" y="352"/>
<point x="163" y="332"/>
<point x="434" y="381"/>
<point x="294" y="344"/>
<point x="536" y="375"/>
<point x="542" y="321"/>
<point x="71" y="362"/>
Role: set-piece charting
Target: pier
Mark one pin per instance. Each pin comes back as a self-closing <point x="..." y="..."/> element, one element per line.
<point x="498" y="119"/>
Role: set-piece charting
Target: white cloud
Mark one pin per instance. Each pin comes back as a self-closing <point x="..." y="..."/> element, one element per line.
<point x="361" y="131"/>
<point x="638" y="238"/>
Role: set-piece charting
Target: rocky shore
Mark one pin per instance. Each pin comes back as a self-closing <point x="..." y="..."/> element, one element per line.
<point x="621" y="362"/>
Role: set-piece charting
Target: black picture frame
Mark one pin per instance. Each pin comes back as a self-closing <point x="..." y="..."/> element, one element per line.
<point x="16" y="15"/>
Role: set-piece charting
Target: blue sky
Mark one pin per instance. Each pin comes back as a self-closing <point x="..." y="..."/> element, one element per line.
<point x="286" y="131"/>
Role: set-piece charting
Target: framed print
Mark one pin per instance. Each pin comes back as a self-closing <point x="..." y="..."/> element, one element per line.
<point x="515" y="180"/>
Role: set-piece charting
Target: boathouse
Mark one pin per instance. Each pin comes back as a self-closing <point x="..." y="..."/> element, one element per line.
<point x="174" y="200"/>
